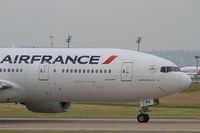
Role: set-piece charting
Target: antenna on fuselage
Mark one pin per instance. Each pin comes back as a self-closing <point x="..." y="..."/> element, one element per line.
<point x="68" y="40"/>
<point x="51" y="39"/>
<point x="138" y="41"/>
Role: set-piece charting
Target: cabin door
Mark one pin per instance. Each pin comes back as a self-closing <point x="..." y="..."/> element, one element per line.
<point x="43" y="72"/>
<point x="126" y="71"/>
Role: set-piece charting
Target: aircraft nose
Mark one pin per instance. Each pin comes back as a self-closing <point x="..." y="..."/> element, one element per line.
<point x="185" y="81"/>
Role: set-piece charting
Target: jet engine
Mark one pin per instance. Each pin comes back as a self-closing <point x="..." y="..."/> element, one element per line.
<point x="48" y="107"/>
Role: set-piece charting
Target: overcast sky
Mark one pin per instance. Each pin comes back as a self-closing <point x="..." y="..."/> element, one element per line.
<point x="164" y="24"/>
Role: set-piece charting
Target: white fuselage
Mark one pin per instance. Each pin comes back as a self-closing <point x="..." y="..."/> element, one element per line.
<point x="55" y="74"/>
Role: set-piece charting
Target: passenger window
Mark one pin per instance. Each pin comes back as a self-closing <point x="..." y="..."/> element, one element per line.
<point x="101" y="71"/>
<point x="88" y="71"/>
<point x="21" y="70"/>
<point x="63" y="70"/>
<point x="75" y="71"/>
<point x="96" y="70"/>
<point x="92" y="71"/>
<point x="17" y="70"/>
<point x="83" y="70"/>
<point x="0" y="69"/>
<point x="71" y="71"/>
<point x="110" y="71"/>
<point x="13" y="70"/>
<point x="105" y="71"/>
<point x="4" y="70"/>
<point x="79" y="70"/>
<point x="54" y="70"/>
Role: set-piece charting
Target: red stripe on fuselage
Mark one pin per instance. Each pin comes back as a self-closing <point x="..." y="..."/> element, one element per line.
<point x="110" y="59"/>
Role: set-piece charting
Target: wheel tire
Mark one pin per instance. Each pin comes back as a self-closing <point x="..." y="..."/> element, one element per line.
<point x="141" y="118"/>
<point x="146" y="118"/>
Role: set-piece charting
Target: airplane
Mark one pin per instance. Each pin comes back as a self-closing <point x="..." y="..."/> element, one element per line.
<point x="191" y="71"/>
<point x="48" y="80"/>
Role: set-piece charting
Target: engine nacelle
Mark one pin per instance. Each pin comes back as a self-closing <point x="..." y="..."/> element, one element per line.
<point x="48" y="107"/>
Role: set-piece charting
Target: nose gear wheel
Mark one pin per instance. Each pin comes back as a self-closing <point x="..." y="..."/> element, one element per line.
<point x="143" y="118"/>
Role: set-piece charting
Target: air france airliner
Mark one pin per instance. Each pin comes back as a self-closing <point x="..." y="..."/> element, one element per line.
<point x="47" y="80"/>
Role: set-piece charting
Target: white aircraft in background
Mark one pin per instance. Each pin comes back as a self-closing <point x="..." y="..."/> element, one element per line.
<point x="191" y="71"/>
<point x="47" y="80"/>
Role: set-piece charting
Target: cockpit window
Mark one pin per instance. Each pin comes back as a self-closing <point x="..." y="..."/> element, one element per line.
<point x="163" y="70"/>
<point x="167" y="69"/>
<point x="176" y="69"/>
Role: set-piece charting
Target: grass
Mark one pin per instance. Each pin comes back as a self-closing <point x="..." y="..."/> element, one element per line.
<point x="93" y="110"/>
<point x="76" y="111"/>
<point x="195" y="87"/>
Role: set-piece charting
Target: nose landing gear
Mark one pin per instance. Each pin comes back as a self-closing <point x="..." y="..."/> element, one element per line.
<point x="143" y="117"/>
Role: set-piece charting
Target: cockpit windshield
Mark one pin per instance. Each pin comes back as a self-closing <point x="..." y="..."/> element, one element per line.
<point x="167" y="69"/>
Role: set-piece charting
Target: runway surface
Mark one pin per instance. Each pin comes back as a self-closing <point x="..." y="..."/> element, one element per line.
<point x="128" y="125"/>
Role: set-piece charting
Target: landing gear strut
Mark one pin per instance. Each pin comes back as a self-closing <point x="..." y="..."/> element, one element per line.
<point x="143" y="117"/>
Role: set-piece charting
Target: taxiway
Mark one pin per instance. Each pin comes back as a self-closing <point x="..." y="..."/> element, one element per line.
<point x="128" y="125"/>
